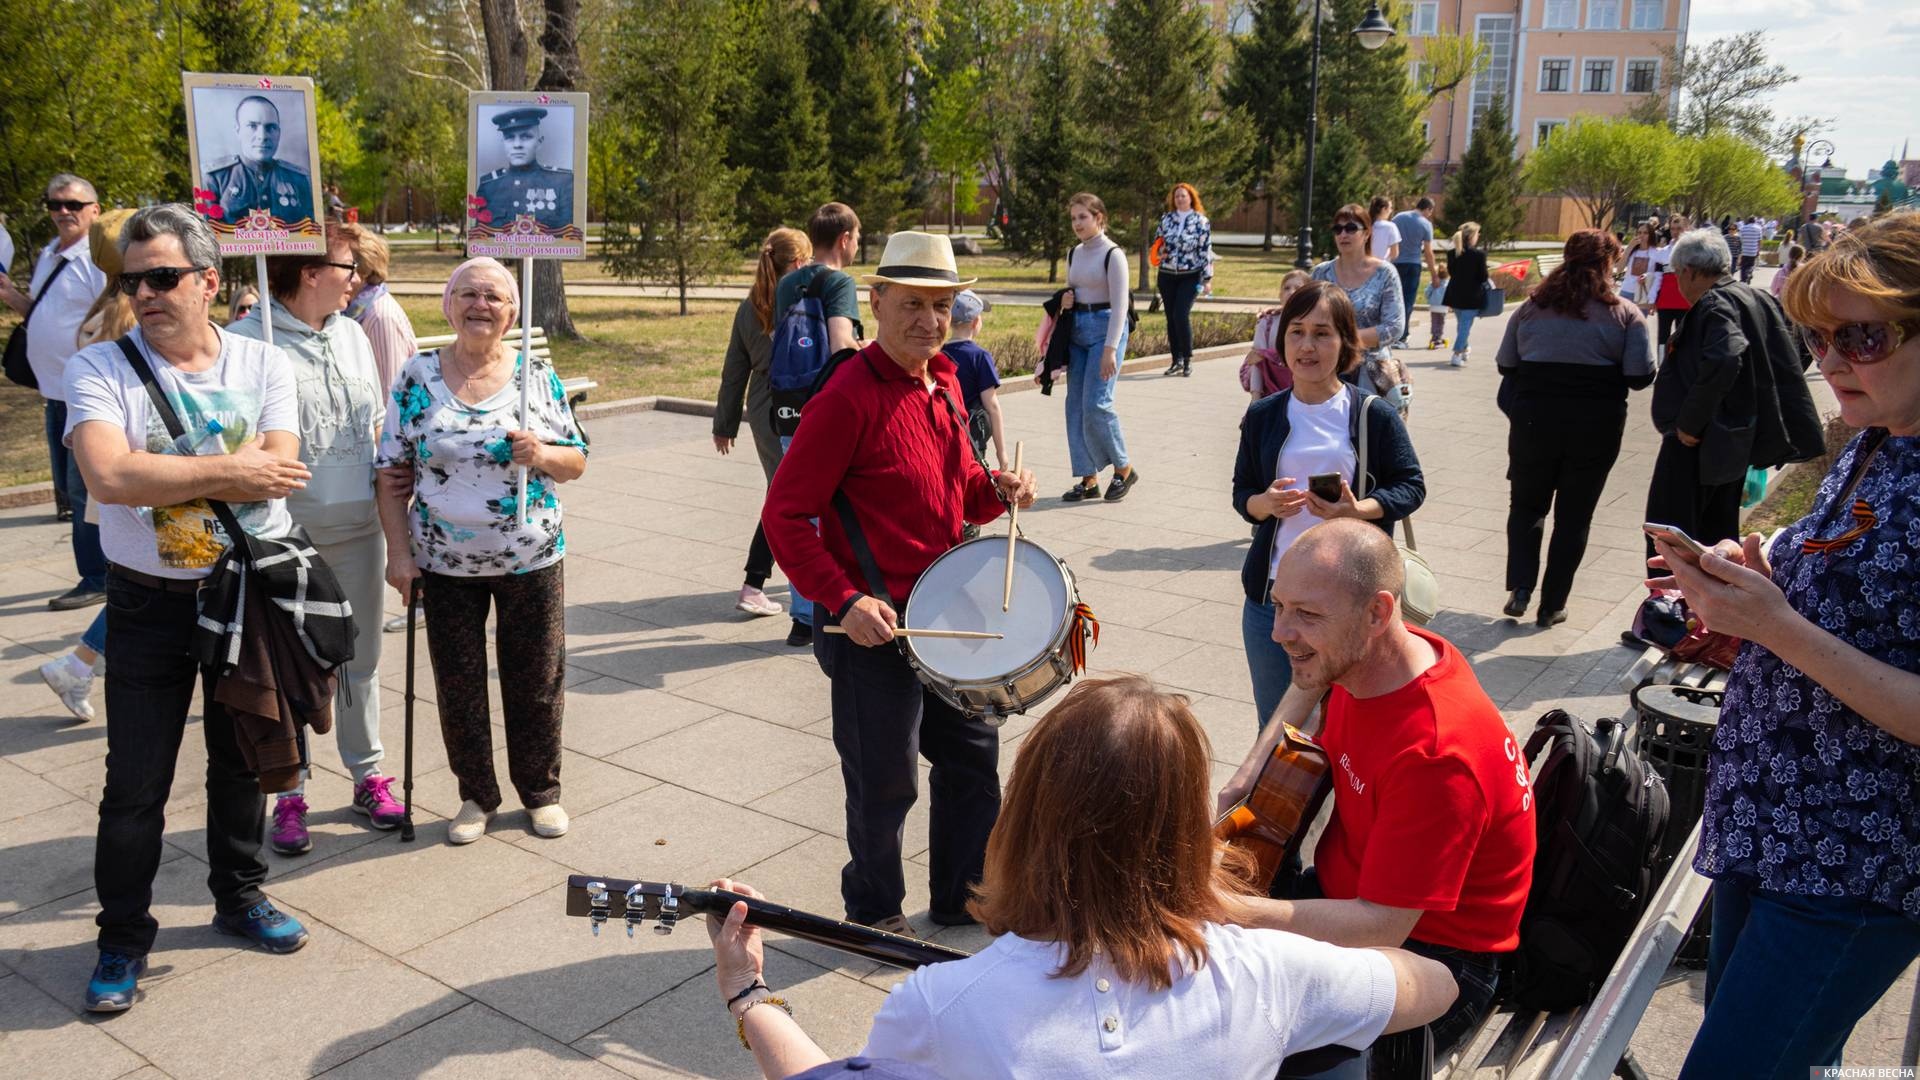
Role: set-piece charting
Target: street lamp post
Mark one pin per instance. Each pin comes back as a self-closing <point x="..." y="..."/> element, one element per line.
<point x="1373" y="32"/>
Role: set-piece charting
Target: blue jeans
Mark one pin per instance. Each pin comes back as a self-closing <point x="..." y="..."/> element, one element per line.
<point x="798" y="606"/>
<point x="88" y="559"/>
<point x="1463" y="325"/>
<point x="95" y="637"/>
<point x="1266" y="659"/>
<point x="1093" y="428"/>
<point x="1409" y="288"/>
<point x="1789" y="976"/>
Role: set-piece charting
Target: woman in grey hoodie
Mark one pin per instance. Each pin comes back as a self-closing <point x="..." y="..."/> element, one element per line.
<point x="342" y="404"/>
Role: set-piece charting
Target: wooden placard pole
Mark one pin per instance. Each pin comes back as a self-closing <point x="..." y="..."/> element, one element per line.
<point x="525" y="362"/>
<point x="265" y="303"/>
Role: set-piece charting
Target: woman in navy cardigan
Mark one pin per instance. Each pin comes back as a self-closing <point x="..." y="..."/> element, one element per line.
<point x="1313" y="429"/>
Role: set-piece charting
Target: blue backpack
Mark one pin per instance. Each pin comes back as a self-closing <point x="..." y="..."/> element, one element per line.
<point x="802" y="355"/>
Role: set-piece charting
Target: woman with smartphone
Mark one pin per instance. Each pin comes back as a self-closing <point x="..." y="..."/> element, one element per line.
<point x="1299" y="460"/>
<point x="1811" y="828"/>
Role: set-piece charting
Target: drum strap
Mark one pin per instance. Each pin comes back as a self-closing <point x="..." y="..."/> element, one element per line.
<point x="862" y="552"/>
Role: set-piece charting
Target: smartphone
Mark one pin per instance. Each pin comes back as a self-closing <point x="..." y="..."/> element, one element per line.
<point x="1325" y="486"/>
<point x="1675" y="537"/>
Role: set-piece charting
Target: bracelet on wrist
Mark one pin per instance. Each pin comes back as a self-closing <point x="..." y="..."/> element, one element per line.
<point x="756" y="985"/>
<point x="740" y="1022"/>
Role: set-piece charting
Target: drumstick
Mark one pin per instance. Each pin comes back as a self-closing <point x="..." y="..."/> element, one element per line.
<point x="901" y="631"/>
<point x="1013" y="530"/>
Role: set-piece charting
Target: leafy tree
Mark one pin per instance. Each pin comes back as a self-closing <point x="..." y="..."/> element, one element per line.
<point x="1724" y="85"/>
<point x="777" y="132"/>
<point x="1448" y="61"/>
<point x="1153" y="127"/>
<point x="671" y="223"/>
<point x="1267" y="80"/>
<point x="1047" y="159"/>
<point x="1730" y="175"/>
<point x="1486" y="188"/>
<point x="956" y="140"/>
<point x="1605" y="164"/>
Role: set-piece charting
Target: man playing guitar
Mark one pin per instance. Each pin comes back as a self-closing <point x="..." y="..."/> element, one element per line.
<point x="1431" y="841"/>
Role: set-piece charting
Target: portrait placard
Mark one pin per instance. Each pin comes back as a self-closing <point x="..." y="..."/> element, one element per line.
<point x="254" y="152"/>
<point x="527" y="175"/>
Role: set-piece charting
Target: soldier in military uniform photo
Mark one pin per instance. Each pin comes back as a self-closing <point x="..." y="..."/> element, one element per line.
<point x="256" y="179"/>
<point x="525" y="186"/>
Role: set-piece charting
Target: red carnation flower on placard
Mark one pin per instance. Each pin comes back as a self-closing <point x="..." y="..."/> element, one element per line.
<point x="214" y="210"/>
<point x="266" y="84"/>
<point x="483" y="216"/>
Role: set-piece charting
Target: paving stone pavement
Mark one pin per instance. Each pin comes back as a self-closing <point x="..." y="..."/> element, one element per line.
<point x="698" y="745"/>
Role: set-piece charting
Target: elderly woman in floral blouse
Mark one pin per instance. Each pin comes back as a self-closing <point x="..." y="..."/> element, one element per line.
<point x="1811" y="829"/>
<point x="454" y="440"/>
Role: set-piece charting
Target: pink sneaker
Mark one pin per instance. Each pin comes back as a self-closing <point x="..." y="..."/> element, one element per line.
<point x="289" y="836"/>
<point x="370" y="797"/>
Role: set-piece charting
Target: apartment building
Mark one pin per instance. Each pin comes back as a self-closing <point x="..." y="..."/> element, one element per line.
<point x="1552" y="60"/>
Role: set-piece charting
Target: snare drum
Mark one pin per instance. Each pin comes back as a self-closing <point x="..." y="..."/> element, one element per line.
<point x="962" y="590"/>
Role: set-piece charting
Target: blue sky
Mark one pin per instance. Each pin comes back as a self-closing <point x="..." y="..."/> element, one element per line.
<point x="1856" y="61"/>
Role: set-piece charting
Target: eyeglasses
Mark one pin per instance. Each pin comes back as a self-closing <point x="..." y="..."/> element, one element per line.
<point x="475" y="296"/>
<point x="1860" y="343"/>
<point x="71" y="206"/>
<point x="352" y="268"/>
<point x="1348" y="227"/>
<point x="160" y="278"/>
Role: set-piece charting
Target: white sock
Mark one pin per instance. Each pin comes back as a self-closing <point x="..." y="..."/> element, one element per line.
<point x="80" y="668"/>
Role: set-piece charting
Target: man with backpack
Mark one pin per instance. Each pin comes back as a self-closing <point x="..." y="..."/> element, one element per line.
<point x="818" y="307"/>
<point x="1431" y="842"/>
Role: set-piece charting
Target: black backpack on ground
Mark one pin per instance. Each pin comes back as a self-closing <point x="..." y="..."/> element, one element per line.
<point x="1600" y="813"/>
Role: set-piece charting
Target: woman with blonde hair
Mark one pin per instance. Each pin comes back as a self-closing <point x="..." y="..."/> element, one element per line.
<point x="377" y="312"/>
<point x="743" y="383"/>
<point x="1186" y="269"/>
<point x="245" y="298"/>
<point x="1467" y="283"/>
<point x="1115" y="952"/>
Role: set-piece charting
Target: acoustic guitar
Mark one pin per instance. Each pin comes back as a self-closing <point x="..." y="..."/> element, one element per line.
<point x="1272" y="820"/>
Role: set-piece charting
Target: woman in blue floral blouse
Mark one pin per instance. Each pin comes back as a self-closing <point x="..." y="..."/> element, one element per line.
<point x="1186" y="269"/>
<point x="453" y="442"/>
<point x="1811" y="830"/>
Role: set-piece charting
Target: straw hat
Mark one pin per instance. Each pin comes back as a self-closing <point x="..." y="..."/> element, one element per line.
<point x="919" y="259"/>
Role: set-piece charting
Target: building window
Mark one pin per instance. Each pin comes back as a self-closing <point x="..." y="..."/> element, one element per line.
<point x="1415" y="75"/>
<point x="1649" y="14"/>
<point x="1598" y="78"/>
<point x="1495" y="32"/>
<point x="1426" y="18"/>
<point x="1562" y="14"/>
<point x="1642" y="76"/>
<point x="1556" y="76"/>
<point x="1544" y="130"/>
<point x="1426" y="132"/>
<point x="1603" y="14"/>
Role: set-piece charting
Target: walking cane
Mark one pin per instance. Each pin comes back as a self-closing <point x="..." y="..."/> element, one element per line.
<point x="406" y="784"/>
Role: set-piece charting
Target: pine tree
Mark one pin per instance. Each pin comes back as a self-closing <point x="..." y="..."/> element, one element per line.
<point x="1047" y="163"/>
<point x="1487" y="186"/>
<point x="853" y="46"/>
<point x="777" y="133"/>
<point x="1267" y="79"/>
<point x="1340" y="176"/>
<point x="1367" y="91"/>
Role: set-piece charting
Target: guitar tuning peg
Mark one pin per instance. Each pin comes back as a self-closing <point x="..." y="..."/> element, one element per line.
<point x="669" y="915"/>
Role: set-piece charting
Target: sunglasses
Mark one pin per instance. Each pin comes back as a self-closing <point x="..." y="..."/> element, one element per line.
<point x="159" y="279"/>
<point x="349" y="267"/>
<point x="71" y="206"/>
<point x="1345" y="227"/>
<point x="1859" y="343"/>
<point x="243" y="311"/>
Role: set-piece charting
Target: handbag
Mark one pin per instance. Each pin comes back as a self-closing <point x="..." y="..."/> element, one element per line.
<point x="16" y="366"/>
<point x="1420" y="596"/>
<point x="1495" y="300"/>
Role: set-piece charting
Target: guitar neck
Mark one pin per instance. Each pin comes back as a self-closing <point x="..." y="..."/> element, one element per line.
<point x="863" y="941"/>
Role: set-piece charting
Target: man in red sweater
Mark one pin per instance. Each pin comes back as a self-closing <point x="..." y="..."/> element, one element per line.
<point x="884" y="446"/>
<point x="1431" y="841"/>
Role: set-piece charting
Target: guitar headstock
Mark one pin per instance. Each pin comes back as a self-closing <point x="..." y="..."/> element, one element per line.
<point x="632" y="902"/>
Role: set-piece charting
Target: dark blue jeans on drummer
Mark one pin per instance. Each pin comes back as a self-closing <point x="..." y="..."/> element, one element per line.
<point x="1409" y="288"/>
<point x="88" y="559"/>
<point x="884" y="721"/>
<point x="799" y="606"/>
<point x="1789" y="976"/>
<point x="1178" y="290"/>
<point x="1267" y="659"/>
<point x="150" y="682"/>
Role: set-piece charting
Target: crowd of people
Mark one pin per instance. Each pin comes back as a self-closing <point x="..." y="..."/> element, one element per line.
<point x="399" y="467"/>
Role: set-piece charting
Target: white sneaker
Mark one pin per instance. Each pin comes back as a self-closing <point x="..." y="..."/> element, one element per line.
<point x="469" y="824"/>
<point x="755" y="602"/>
<point x="72" y="680"/>
<point x="1458" y="359"/>
<point x="549" y="821"/>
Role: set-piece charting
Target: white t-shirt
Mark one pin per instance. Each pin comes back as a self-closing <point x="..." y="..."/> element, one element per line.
<point x="249" y="390"/>
<point x="1263" y="995"/>
<point x="1319" y="440"/>
<point x="6" y="251"/>
<point x="54" y="330"/>
<point x="1385" y="235"/>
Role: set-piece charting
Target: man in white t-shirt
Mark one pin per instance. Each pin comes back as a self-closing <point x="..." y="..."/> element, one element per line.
<point x="235" y="400"/>
<point x="65" y="284"/>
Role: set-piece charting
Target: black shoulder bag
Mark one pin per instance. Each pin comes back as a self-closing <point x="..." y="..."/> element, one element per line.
<point x="18" y="369"/>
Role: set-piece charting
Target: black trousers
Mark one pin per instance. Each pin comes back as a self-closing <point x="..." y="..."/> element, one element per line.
<point x="1665" y="318"/>
<point x="1709" y="513"/>
<point x="1557" y="459"/>
<point x="759" y="558"/>
<point x="1746" y="267"/>
<point x="1178" y="290"/>
<point x="150" y="685"/>
<point x="884" y="720"/>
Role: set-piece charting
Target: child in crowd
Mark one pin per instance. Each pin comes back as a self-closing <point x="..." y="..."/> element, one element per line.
<point x="1437" y="307"/>
<point x="979" y="378"/>
<point x="1263" y="359"/>
<point x="1794" y="254"/>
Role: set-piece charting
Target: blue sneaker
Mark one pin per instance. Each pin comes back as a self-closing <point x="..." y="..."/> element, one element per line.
<point x="267" y="926"/>
<point x="114" y="979"/>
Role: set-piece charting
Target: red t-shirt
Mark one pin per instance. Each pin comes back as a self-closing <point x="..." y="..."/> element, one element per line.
<point x="1432" y="808"/>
